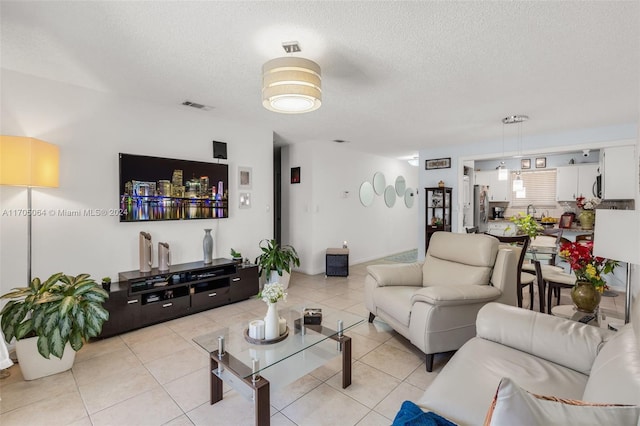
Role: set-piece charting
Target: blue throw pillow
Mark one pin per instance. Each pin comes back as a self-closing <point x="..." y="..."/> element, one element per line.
<point x="412" y="415"/>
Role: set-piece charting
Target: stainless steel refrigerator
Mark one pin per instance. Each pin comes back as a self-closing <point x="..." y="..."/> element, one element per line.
<point x="481" y="208"/>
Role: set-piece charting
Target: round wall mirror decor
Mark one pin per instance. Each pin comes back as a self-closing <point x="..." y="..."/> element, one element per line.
<point x="366" y="194"/>
<point x="390" y="196"/>
<point x="379" y="182"/>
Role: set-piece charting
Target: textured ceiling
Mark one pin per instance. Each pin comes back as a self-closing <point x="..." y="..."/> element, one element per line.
<point x="397" y="76"/>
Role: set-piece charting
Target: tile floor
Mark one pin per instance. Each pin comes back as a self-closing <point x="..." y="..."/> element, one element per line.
<point x="158" y="376"/>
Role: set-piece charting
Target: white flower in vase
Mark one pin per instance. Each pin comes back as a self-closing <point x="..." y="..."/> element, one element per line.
<point x="272" y="293"/>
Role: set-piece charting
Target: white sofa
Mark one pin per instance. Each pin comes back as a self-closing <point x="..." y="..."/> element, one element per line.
<point x="435" y="304"/>
<point x="544" y="355"/>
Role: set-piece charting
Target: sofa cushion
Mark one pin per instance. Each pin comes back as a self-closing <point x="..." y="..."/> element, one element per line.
<point x="455" y="295"/>
<point x="401" y="274"/>
<point x="512" y="405"/>
<point x="463" y="390"/>
<point x="459" y="259"/>
<point x="569" y="343"/>
<point x="615" y="374"/>
<point x="395" y="301"/>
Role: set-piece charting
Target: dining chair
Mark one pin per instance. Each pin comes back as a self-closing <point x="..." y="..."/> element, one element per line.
<point x="548" y="238"/>
<point x="542" y="252"/>
<point x="524" y="279"/>
<point x="556" y="281"/>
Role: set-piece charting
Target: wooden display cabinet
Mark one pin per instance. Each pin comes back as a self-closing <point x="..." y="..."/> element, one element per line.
<point x="438" y="212"/>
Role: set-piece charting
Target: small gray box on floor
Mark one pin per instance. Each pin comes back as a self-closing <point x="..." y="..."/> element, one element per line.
<point x="337" y="262"/>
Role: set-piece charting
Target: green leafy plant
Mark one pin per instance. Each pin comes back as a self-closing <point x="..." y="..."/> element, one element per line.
<point x="527" y="225"/>
<point x="106" y="280"/>
<point x="235" y="254"/>
<point x="62" y="309"/>
<point x="276" y="258"/>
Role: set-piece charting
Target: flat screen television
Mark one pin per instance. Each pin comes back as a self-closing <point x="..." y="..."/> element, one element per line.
<point x="154" y="188"/>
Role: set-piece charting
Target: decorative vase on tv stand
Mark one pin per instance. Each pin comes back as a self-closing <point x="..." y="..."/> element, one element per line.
<point x="207" y="246"/>
<point x="146" y="259"/>
<point x="164" y="257"/>
<point x="272" y="322"/>
<point x="585" y="296"/>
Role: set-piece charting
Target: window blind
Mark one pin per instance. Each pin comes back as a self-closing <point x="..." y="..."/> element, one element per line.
<point x="540" y="189"/>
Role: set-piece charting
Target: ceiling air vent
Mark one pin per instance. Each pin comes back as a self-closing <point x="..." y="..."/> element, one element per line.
<point x="197" y="105"/>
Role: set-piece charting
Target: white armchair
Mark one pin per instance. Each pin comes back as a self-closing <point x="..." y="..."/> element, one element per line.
<point x="434" y="304"/>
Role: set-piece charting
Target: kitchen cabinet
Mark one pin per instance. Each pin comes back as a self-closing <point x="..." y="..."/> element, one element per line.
<point x="618" y="172"/>
<point x="575" y="181"/>
<point x="499" y="190"/>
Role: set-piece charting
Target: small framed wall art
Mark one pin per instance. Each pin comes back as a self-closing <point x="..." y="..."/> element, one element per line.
<point x="245" y="177"/>
<point x="295" y="175"/>
<point x="245" y="200"/>
<point x="566" y="220"/>
<point x="541" y="162"/>
<point x="525" y="163"/>
<point x="438" y="163"/>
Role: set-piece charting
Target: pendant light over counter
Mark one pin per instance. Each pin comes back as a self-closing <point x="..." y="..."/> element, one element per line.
<point x="291" y="85"/>
<point x="517" y="183"/>
<point x="516" y="119"/>
<point x="503" y="172"/>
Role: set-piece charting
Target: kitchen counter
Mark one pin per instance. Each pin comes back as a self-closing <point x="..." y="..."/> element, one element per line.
<point x="505" y="227"/>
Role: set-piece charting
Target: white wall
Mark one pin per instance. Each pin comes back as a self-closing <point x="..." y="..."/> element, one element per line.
<point x="91" y="128"/>
<point x="584" y="138"/>
<point x="321" y="216"/>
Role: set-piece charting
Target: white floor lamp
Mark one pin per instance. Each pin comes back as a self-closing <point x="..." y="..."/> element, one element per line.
<point x="617" y="236"/>
<point x="31" y="163"/>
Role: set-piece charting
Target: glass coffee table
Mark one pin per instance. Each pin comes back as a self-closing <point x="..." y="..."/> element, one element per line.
<point x="250" y="369"/>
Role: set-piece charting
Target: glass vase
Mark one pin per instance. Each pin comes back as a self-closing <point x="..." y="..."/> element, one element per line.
<point x="585" y="296"/>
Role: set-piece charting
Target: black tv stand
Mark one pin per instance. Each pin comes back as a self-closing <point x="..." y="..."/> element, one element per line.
<point x="140" y="299"/>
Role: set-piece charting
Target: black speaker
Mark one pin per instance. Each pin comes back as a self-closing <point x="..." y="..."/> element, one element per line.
<point x="220" y="150"/>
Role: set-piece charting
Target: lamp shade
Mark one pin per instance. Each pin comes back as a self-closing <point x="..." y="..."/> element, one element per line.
<point x="503" y="173"/>
<point x="518" y="184"/>
<point x="28" y="162"/>
<point x="617" y="235"/>
<point x="291" y="85"/>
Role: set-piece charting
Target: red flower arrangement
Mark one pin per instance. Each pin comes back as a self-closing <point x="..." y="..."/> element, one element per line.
<point x="585" y="265"/>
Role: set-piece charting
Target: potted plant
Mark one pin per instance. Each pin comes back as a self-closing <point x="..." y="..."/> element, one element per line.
<point x="276" y="260"/>
<point x="106" y="284"/>
<point x="589" y="271"/>
<point x="236" y="255"/>
<point x="588" y="215"/>
<point x="53" y="317"/>
<point x="526" y="225"/>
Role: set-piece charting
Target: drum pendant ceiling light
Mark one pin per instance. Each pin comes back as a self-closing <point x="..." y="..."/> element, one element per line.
<point x="503" y="172"/>
<point x="517" y="183"/>
<point x="291" y="85"/>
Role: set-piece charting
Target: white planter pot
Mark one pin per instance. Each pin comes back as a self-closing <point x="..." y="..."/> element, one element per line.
<point x="284" y="279"/>
<point x="34" y="366"/>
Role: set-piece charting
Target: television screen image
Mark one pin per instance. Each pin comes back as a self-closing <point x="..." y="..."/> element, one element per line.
<point x="154" y="188"/>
